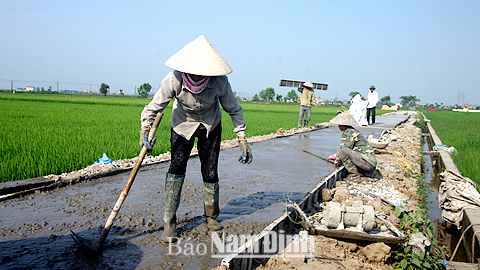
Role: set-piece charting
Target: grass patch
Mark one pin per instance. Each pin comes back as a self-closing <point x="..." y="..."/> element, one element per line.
<point x="460" y="130"/>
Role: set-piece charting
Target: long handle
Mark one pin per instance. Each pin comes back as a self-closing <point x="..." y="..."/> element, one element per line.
<point x="315" y="155"/>
<point x="128" y="185"/>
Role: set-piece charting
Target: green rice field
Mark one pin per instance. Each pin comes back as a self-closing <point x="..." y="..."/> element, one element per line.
<point x="460" y="130"/>
<point x="53" y="133"/>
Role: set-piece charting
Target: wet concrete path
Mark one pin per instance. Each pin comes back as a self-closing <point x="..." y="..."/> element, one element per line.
<point x="35" y="229"/>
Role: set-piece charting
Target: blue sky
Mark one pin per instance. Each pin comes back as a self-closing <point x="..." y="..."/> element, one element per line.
<point x="428" y="49"/>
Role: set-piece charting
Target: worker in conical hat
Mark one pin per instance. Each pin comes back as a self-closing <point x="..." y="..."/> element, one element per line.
<point x="198" y="86"/>
<point x="307" y="99"/>
<point x="355" y="152"/>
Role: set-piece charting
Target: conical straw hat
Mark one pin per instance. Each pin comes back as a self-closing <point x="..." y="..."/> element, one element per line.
<point x="199" y="57"/>
<point x="308" y="84"/>
<point x="345" y="119"/>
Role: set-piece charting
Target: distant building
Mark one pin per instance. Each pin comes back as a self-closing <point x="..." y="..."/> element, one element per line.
<point x="30" y="88"/>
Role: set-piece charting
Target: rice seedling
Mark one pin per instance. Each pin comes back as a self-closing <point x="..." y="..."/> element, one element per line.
<point x="460" y="130"/>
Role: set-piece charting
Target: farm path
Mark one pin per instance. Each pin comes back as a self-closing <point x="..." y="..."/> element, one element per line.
<point x="35" y="228"/>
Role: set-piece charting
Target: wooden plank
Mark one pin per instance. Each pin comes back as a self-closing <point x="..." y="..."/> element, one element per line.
<point x="471" y="217"/>
<point x="290" y="83"/>
<point x="346" y="234"/>
<point x="431" y="153"/>
<point x="284" y="223"/>
<point x="462" y="266"/>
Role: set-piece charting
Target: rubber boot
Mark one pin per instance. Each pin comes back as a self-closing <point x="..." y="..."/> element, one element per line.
<point x="299" y="123"/>
<point x="210" y="202"/>
<point x="173" y="190"/>
<point x="305" y="124"/>
<point x="353" y="175"/>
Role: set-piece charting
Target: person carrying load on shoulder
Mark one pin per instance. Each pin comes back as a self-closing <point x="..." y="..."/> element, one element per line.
<point x="355" y="152"/>
<point x="198" y="86"/>
<point x="306" y="100"/>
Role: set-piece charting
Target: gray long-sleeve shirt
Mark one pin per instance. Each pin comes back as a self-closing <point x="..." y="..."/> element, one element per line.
<point x="190" y="110"/>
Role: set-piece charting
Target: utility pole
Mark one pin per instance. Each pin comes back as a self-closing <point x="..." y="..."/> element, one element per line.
<point x="57" y="86"/>
<point x="458" y="100"/>
<point x="11" y="86"/>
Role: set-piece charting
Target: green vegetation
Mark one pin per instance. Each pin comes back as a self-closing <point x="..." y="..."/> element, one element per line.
<point x="353" y="94"/>
<point x="46" y="133"/>
<point x="144" y="89"/>
<point x="385" y="100"/>
<point x="104" y="89"/>
<point x="410" y="101"/>
<point x="413" y="223"/>
<point x="460" y="130"/>
<point x="45" y="136"/>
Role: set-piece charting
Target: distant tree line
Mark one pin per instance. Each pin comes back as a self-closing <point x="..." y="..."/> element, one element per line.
<point x="269" y="94"/>
<point x="406" y="101"/>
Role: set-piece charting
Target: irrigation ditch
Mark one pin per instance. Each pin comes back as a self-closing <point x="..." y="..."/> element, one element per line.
<point x="274" y="194"/>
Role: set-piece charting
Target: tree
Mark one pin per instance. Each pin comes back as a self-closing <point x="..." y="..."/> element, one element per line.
<point x="279" y="98"/>
<point x="385" y="99"/>
<point x="104" y="88"/>
<point x="410" y="101"/>
<point x="255" y="98"/>
<point x="292" y="95"/>
<point x="50" y="89"/>
<point x="144" y="89"/>
<point x="121" y="91"/>
<point x="267" y="94"/>
<point x="353" y="94"/>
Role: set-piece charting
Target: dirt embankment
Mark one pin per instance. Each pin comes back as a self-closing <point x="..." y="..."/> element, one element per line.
<point x="392" y="181"/>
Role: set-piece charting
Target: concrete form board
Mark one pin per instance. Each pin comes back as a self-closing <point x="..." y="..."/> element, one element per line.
<point x="285" y="223"/>
<point x="462" y="266"/>
<point x="471" y="217"/>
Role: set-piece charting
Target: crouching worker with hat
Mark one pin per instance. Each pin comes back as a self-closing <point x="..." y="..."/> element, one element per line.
<point x="355" y="152"/>
<point x="198" y="86"/>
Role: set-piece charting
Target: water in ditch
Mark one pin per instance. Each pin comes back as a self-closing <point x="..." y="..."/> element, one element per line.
<point x="432" y="179"/>
<point x="446" y="236"/>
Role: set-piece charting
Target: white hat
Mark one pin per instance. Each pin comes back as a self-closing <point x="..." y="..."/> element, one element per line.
<point x="199" y="57"/>
<point x="344" y="119"/>
<point x="308" y="84"/>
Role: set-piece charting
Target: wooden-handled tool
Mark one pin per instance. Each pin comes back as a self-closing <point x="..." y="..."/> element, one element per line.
<point x="108" y="225"/>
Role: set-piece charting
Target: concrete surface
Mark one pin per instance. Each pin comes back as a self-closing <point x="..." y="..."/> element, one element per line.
<point x="35" y="229"/>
